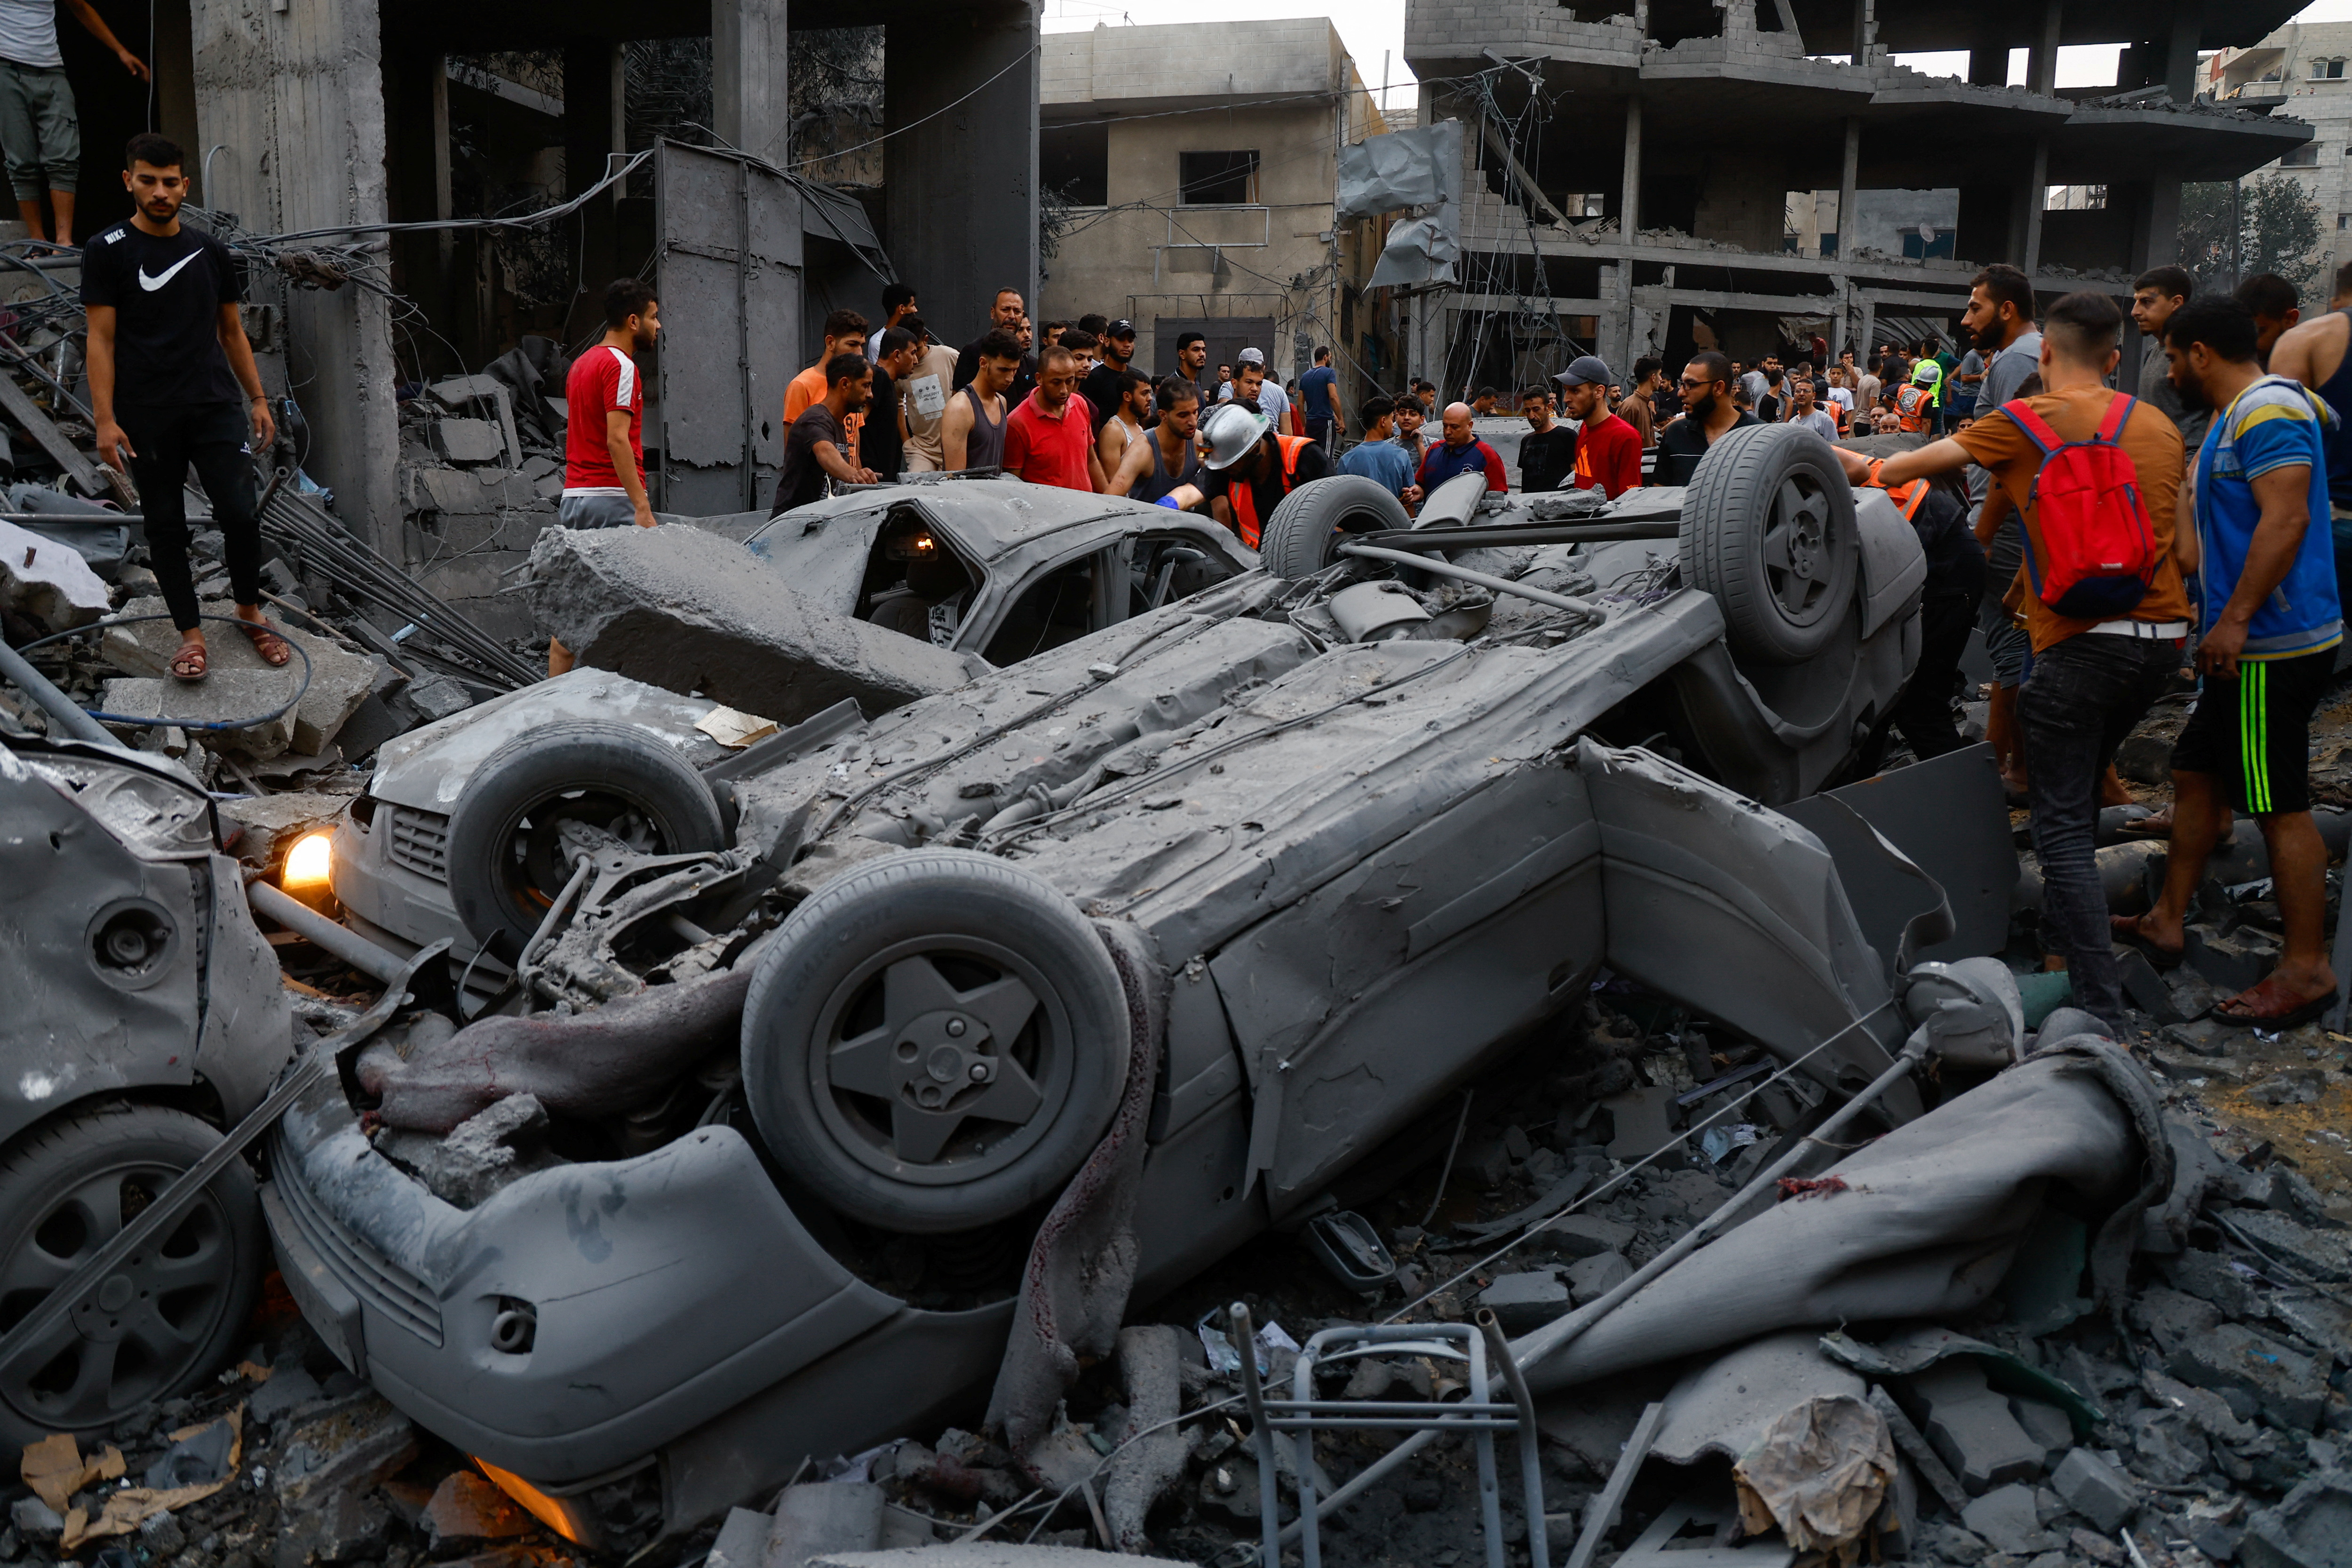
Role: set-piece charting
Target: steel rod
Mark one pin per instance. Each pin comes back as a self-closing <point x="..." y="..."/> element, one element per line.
<point x="376" y="963"/>
<point x="1475" y="537"/>
<point x="61" y="710"/>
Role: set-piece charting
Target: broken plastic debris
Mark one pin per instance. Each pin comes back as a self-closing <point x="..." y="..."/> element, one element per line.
<point x="126" y="1510"/>
<point x="1720" y="1141"/>
<point x="1819" y="1472"/>
<point x="1223" y="1358"/>
<point x="1807" y="1187"/>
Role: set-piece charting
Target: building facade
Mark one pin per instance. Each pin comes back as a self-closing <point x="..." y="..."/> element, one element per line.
<point x="2303" y="70"/>
<point x="1195" y="165"/>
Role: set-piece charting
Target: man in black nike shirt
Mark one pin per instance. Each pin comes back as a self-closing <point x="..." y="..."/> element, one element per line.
<point x="173" y="382"/>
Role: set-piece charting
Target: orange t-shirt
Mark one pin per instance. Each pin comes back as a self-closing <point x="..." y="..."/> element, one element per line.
<point x="2153" y="443"/>
<point x="808" y="387"/>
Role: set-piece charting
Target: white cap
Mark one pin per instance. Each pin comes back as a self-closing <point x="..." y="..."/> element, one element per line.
<point x="1251" y="356"/>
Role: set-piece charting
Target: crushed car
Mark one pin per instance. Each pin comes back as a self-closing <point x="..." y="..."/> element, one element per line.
<point x="819" y="1052"/>
<point x="146" y="1016"/>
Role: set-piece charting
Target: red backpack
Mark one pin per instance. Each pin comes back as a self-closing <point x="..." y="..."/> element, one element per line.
<point x="2101" y="550"/>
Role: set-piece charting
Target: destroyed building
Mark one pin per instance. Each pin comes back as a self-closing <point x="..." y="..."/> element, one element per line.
<point x="1631" y="162"/>
<point x="1196" y="165"/>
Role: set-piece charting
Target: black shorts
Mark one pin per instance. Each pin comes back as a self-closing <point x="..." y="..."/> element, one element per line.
<point x="2254" y="732"/>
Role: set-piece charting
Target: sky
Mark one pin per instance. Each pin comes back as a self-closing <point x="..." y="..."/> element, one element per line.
<point x="1370" y="26"/>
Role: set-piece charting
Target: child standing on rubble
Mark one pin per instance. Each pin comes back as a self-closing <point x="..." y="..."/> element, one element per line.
<point x="168" y="357"/>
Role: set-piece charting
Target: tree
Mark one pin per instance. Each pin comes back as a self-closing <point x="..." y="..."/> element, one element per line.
<point x="2277" y="227"/>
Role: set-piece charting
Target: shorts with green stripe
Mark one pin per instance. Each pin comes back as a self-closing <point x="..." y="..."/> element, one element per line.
<point x="2253" y="731"/>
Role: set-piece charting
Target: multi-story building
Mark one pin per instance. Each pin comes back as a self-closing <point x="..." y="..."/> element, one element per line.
<point x="1195" y="165"/>
<point x="1636" y="168"/>
<point x="2301" y="69"/>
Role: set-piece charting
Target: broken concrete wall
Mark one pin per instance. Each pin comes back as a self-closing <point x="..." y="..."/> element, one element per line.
<point x="290" y="101"/>
<point x="691" y="612"/>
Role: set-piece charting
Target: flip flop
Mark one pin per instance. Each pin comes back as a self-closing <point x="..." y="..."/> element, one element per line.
<point x="2271" y="1023"/>
<point x="2162" y="958"/>
<point x="188" y="664"/>
<point x="275" y="651"/>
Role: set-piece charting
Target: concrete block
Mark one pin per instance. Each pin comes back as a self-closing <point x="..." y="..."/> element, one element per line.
<point x="223" y="696"/>
<point x="1582" y="1235"/>
<point x="339" y="678"/>
<point x="454" y="490"/>
<point x="1590" y="1278"/>
<point x="742" y="1538"/>
<point x="47" y="582"/>
<point x="2006" y="1520"/>
<point x="470" y="440"/>
<point x="455" y="392"/>
<point x="438" y="696"/>
<point x="2287" y="1385"/>
<point x="1971" y="1429"/>
<point x="2046" y="1425"/>
<point x="466" y="1507"/>
<point x="823" y="1517"/>
<point x="2095" y="1489"/>
<point x="340" y="1450"/>
<point x="1645" y="1122"/>
<point x="2311" y="1527"/>
<point x="2324" y="1255"/>
<point x="477" y="574"/>
<point x="689" y="611"/>
<point x="289" y="1388"/>
<point x="1525" y="1301"/>
<point x="2315" y="1318"/>
<point x="2171" y="1318"/>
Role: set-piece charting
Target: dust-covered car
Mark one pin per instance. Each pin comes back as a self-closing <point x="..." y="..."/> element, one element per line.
<point x="1223" y="896"/>
<point x="145" y="1015"/>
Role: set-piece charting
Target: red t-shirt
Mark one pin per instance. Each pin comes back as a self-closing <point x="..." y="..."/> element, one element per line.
<point x="1609" y="455"/>
<point x="602" y="380"/>
<point x="1046" y="450"/>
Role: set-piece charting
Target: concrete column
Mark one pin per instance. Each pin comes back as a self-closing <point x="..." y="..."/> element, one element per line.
<point x="751" y="99"/>
<point x="1847" y="173"/>
<point x="2041" y="65"/>
<point x="2156" y="224"/>
<point x="1989" y="63"/>
<point x="590" y="114"/>
<point x="295" y="98"/>
<point x="1620" y="351"/>
<point x="959" y="170"/>
<point x="1865" y="28"/>
<point x="2179" y="58"/>
<point x="2037" y="195"/>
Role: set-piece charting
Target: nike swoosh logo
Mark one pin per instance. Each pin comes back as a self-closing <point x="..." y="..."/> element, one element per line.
<point x="152" y="284"/>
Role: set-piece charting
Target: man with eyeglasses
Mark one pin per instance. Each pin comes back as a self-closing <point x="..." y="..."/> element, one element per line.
<point x="1706" y="388"/>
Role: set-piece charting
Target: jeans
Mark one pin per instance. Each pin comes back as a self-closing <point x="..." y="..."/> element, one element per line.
<point x="1922" y="715"/>
<point x="39" y="134"/>
<point x="2082" y="698"/>
<point x="211" y="435"/>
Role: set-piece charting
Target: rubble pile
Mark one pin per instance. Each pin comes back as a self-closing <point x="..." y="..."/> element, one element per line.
<point x="481" y="468"/>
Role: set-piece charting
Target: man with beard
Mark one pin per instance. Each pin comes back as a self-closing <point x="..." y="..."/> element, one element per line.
<point x="1608" y="448"/>
<point x="2156" y="294"/>
<point x="1163" y="465"/>
<point x="1049" y="438"/>
<point x="1706" y="388"/>
<point x="2277" y="306"/>
<point x="2092" y="679"/>
<point x="815" y="448"/>
<point x="1999" y="318"/>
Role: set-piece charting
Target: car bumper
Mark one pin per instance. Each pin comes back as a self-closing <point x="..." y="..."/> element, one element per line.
<point x="669" y="1290"/>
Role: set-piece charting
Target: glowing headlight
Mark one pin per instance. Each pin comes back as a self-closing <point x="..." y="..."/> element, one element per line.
<point x="309" y="862"/>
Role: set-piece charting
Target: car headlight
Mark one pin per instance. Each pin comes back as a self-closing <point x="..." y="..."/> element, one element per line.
<point x="309" y="862"/>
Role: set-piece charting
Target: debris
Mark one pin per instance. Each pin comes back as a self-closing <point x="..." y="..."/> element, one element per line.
<point x="468" y="440"/>
<point x="690" y="611"/>
<point x="35" y="1518"/>
<point x="47" y="582"/>
<point x="54" y="1468"/>
<point x="1970" y="1427"/>
<point x="466" y="1507"/>
<point x="2290" y="1388"/>
<point x="215" y="1455"/>
<point x="2005" y="1518"/>
<point x="2094" y="1489"/>
<point x="2324" y="1256"/>
<point x="287" y="1389"/>
<point x="340" y="676"/>
<point x="733" y="730"/>
<point x="1525" y="1301"/>
<point x="488" y="1150"/>
<point x="1150" y="1464"/>
<point x="271" y="823"/>
<point x="1808" y="1187"/>
<point x="1593" y="1278"/>
<point x="823" y="1517"/>
<point x="1915" y="1448"/>
<point x="742" y="1541"/>
<point x="2311" y="1527"/>
<point x="1643" y="1121"/>
<point x="343" y="1448"/>
<point x="224" y="697"/>
<point x="1820" y="1471"/>
<point x="195" y="1459"/>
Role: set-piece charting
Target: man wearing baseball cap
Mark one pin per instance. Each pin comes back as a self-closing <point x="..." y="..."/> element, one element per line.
<point x="1272" y="401"/>
<point x="1607" y="449"/>
<point x="1105" y="384"/>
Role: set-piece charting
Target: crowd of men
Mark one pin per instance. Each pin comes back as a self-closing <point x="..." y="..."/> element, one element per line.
<point x="2234" y="447"/>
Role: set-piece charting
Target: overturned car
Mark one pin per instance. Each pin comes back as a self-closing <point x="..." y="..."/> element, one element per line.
<point x="1164" y="930"/>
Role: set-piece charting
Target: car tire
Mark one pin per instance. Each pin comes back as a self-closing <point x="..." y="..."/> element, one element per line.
<point x="934" y="1041"/>
<point x="65" y="1191"/>
<point x="1767" y="528"/>
<point x="1301" y="539"/>
<point x="505" y="861"/>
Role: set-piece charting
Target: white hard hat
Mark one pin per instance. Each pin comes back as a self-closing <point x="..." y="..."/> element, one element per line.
<point x="1231" y="430"/>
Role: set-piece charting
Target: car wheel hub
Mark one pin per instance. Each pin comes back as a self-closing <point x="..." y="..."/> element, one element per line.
<point x="1797" y="565"/>
<point x="919" y="1087"/>
<point x="138" y="1329"/>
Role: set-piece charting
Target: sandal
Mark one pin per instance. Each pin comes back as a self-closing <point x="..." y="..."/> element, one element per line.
<point x="2269" y="1022"/>
<point x="275" y="651"/>
<point x="188" y="663"/>
<point x="2124" y="929"/>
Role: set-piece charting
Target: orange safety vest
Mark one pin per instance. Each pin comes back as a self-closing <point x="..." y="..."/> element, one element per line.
<point x="1243" y="498"/>
<point x="1915" y="405"/>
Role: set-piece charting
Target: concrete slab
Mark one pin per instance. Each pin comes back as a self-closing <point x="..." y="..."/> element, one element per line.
<point x="823" y="1517"/>
<point x="1643" y="1121"/>
<point x="688" y="611"/>
<point x="2289" y="1386"/>
<point x="2094" y="1489"/>
<point x="470" y="440"/>
<point x="1971" y="1429"/>
<point x="273" y="822"/>
<point x="2310" y="1528"/>
<point x="47" y="582"/>
<point x="339" y="677"/>
<point x="223" y="695"/>
<point x="1521" y="1302"/>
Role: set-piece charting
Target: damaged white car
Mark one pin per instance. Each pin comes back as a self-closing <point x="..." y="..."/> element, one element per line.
<point x="811" y="1044"/>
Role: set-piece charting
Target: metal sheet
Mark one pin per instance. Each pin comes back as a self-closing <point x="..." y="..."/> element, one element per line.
<point x="1416" y="168"/>
<point x="729" y="259"/>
